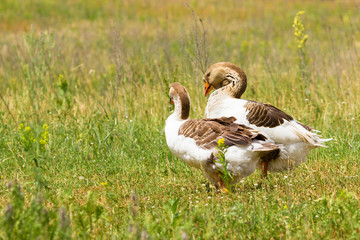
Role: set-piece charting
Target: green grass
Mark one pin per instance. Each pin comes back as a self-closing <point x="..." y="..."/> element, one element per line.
<point x="97" y="73"/>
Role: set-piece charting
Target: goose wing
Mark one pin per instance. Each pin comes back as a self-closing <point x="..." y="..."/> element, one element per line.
<point x="207" y="132"/>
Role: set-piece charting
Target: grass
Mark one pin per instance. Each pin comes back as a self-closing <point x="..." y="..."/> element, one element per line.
<point x="97" y="74"/>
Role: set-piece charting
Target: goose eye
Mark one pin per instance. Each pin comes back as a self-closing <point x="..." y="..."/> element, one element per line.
<point x="225" y="82"/>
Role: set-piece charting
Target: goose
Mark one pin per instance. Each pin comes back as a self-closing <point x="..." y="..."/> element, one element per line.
<point x="195" y="142"/>
<point x="294" y="139"/>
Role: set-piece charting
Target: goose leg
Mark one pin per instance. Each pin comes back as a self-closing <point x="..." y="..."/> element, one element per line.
<point x="221" y="183"/>
<point x="264" y="168"/>
<point x="210" y="170"/>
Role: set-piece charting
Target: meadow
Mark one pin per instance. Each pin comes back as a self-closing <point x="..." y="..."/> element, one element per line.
<point x="84" y="99"/>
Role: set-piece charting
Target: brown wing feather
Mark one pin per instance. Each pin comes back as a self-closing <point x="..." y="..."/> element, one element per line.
<point x="265" y="115"/>
<point x="206" y="132"/>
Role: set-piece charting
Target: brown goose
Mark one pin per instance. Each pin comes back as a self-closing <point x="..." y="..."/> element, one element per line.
<point x="195" y="141"/>
<point x="294" y="138"/>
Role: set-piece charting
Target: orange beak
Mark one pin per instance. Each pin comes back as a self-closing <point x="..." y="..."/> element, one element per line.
<point x="171" y="101"/>
<point x="207" y="88"/>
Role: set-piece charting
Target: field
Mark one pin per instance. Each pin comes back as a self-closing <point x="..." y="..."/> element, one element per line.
<point x="84" y="101"/>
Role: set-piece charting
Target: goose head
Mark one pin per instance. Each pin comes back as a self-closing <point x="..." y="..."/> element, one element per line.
<point x="181" y="99"/>
<point x="227" y="77"/>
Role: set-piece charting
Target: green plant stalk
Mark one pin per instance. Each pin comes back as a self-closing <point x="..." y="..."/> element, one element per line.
<point x="225" y="174"/>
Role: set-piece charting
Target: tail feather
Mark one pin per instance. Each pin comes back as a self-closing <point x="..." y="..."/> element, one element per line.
<point x="309" y="137"/>
<point x="321" y="141"/>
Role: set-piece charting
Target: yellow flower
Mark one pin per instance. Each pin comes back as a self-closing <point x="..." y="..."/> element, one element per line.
<point x="103" y="183"/>
<point x="299" y="30"/>
<point x="221" y="142"/>
<point x="27" y="129"/>
<point x="45" y="126"/>
<point x="44" y="138"/>
<point x="285" y="207"/>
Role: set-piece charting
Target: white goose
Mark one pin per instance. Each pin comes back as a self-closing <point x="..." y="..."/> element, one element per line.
<point x="195" y="141"/>
<point x="294" y="138"/>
